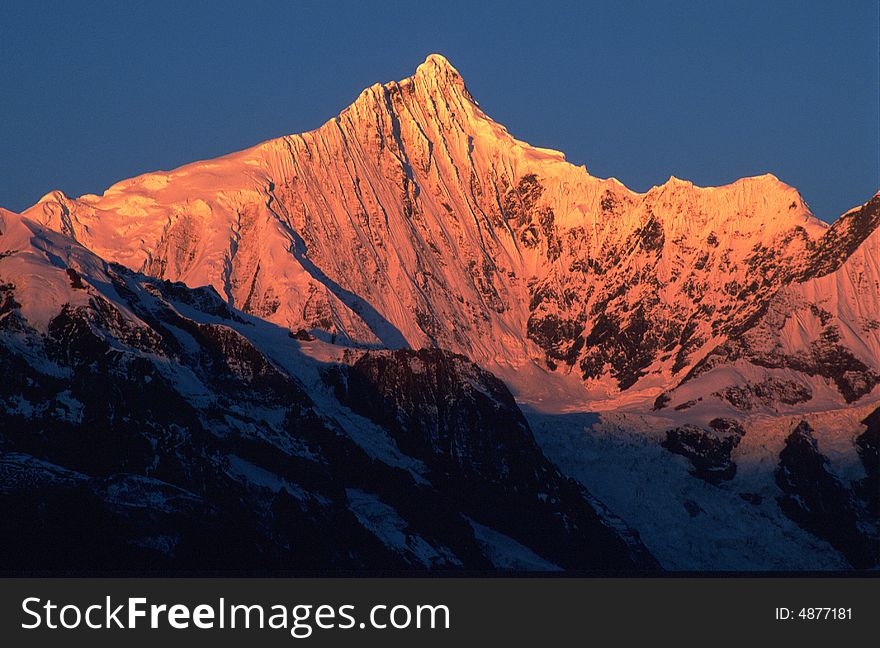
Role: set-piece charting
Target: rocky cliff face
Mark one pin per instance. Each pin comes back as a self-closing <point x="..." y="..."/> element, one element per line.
<point x="411" y="223"/>
<point x="463" y="424"/>
<point x="816" y="499"/>
<point x="412" y="219"/>
<point x="148" y="426"/>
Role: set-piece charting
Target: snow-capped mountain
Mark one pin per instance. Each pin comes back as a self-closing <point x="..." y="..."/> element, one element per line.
<point x="816" y="340"/>
<point x="703" y="324"/>
<point x="146" y="425"/>
<point x="412" y="219"/>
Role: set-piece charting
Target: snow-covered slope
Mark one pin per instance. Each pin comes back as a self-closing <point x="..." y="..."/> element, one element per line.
<point x="706" y="499"/>
<point x="816" y="341"/>
<point x="645" y="332"/>
<point x="413" y="219"/>
<point x="146" y="425"/>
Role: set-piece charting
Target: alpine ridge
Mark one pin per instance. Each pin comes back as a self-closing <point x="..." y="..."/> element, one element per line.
<point x="686" y="333"/>
<point x="183" y="434"/>
<point x="414" y="220"/>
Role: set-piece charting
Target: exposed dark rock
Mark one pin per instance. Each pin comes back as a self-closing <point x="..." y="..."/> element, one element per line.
<point x="463" y="423"/>
<point x="830" y="359"/>
<point x="650" y="235"/>
<point x="302" y="335"/>
<point x="661" y="401"/>
<point x="692" y="508"/>
<point x="727" y="427"/>
<point x="820" y="503"/>
<point x="608" y="202"/>
<point x="628" y="345"/>
<point x="561" y="339"/>
<point x="180" y="445"/>
<point x="768" y="393"/>
<point x="76" y="281"/>
<point x="708" y="450"/>
<point x="842" y="239"/>
<point x="825" y="357"/>
<point x="868" y="447"/>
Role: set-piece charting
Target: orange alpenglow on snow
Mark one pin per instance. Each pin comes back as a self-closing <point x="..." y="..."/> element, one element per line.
<point x="699" y="365"/>
<point x="413" y="219"/>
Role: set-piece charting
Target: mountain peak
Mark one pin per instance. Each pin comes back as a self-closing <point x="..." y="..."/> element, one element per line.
<point x="413" y="209"/>
<point x="438" y="73"/>
<point x="437" y="65"/>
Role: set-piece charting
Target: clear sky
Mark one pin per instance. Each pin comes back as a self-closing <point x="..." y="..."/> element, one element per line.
<point x="95" y="92"/>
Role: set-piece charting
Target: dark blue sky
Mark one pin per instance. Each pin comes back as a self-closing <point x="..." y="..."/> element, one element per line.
<point x="707" y="91"/>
